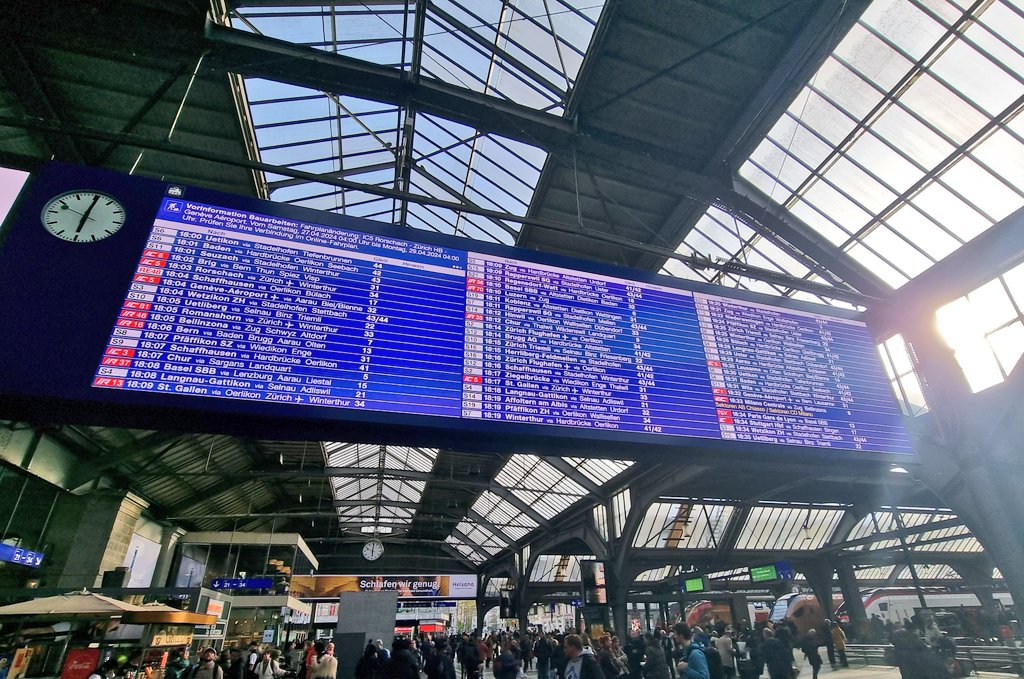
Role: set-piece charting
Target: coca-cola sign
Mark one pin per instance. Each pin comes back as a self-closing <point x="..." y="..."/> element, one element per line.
<point x="80" y="662"/>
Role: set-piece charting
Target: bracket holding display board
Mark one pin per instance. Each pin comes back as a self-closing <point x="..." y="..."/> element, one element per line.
<point x="206" y="310"/>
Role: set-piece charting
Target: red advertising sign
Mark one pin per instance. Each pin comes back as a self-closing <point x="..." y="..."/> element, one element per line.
<point x="80" y="662"/>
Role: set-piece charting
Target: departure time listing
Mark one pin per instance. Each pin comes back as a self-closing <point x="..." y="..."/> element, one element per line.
<point x="234" y="304"/>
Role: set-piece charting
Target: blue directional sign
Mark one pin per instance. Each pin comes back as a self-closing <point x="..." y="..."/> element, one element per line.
<point x="577" y="603"/>
<point x="784" y="569"/>
<point x="12" y="554"/>
<point x="242" y="583"/>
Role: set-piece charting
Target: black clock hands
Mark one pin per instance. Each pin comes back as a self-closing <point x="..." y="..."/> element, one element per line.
<point x="85" y="216"/>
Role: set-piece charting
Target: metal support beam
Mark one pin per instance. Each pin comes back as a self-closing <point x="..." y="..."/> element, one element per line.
<point x="21" y="77"/>
<point x="255" y="56"/>
<point x="458" y="534"/>
<point x="372" y="189"/>
<point x="574" y="474"/>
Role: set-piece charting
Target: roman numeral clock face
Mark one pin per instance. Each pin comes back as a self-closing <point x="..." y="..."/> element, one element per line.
<point x="83" y="216"/>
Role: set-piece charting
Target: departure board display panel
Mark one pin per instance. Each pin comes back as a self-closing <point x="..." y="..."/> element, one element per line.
<point x="299" y="314"/>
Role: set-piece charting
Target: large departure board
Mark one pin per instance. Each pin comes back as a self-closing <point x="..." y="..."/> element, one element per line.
<point x="237" y="304"/>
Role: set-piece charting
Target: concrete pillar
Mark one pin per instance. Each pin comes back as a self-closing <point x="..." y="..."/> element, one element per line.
<point x="97" y="531"/>
<point x="618" y="594"/>
<point x="168" y="541"/>
<point x="522" y="605"/>
<point x="819" y="577"/>
<point x="858" y="627"/>
<point x="481" y="610"/>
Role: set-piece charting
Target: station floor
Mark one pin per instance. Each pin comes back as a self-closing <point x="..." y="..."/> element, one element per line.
<point x="852" y="672"/>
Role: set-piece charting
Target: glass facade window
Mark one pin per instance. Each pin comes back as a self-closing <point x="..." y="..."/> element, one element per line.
<point x="899" y="368"/>
<point x="985" y="329"/>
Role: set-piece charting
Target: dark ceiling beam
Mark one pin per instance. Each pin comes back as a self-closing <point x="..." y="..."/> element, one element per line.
<point x="259" y="56"/>
<point x="370" y="503"/>
<point x="255" y="56"/>
<point x="826" y="26"/>
<point x="895" y="534"/>
<point x="21" y="122"/>
<point x="19" y="72"/>
<point x="141" y="447"/>
<point x="789" y="232"/>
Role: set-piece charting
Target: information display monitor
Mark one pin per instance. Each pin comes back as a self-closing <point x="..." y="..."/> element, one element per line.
<point x="763" y="573"/>
<point x="127" y="293"/>
<point x="695" y="584"/>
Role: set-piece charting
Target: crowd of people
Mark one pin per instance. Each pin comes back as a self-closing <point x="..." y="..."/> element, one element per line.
<point x="721" y="652"/>
<point x="717" y="651"/>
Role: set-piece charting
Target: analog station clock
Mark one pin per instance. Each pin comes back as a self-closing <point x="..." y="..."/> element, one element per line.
<point x="373" y="550"/>
<point x="83" y="216"/>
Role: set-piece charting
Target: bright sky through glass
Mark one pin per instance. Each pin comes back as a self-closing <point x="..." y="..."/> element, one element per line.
<point x="526" y="51"/>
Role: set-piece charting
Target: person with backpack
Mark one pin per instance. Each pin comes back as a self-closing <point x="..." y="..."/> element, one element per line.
<point x="252" y="660"/>
<point x="716" y="668"/>
<point x="207" y="667"/>
<point x="692" y="664"/>
<point x="268" y="668"/>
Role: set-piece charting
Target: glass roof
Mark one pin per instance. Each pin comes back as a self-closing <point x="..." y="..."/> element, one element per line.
<point x="873" y="572"/>
<point x="674" y="525"/>
<point x="525" y="51"/>
<point x="886" y="523"/>
<point x="657" y="574"/>
<point x="788" y="528"/>
<point x="930" y="571"/>
<point x="955" y="538"/>
<point x="534" y="481"/>
<point x="541" y="490"/>
<point x="495" y="585"/>
<point x="558" y="568"/>
<point x="376" y="504"/>
<point x="906" y="143"/>
<point x="723" y="237"/>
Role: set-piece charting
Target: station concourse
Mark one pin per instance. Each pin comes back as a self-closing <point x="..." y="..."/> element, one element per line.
<point x="424" y="317"/>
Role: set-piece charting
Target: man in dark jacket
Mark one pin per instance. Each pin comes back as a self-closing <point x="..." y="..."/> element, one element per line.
<point x="778" y="657"/>
<point x="470" y="658"/>
<point x="402" y="664"/>
<point x="542" y="651"/>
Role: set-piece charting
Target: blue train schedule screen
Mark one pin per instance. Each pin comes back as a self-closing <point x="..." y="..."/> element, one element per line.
<point x="234" y="304"/>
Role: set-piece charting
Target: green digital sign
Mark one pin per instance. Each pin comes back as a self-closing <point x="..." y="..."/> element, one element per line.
<point x="694" y="585"/>
<point x="764" y="573"/>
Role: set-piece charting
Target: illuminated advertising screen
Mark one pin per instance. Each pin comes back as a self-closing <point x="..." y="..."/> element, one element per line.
<point x="189" y="299"/>
<point x="407" y="586"/>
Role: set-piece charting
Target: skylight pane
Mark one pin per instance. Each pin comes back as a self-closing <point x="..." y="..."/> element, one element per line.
<point x="915" y="115"/>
